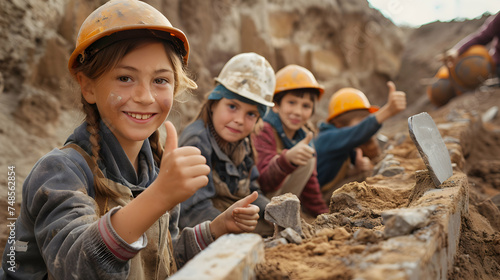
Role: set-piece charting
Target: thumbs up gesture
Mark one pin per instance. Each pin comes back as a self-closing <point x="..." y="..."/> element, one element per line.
<point x="396" y="102"/>
<point x="396" y="99"/>
<point x="362" y="163"/>
<point x="182" y="171"/>
<point x="239" y="217"/>
<point x="301" y="153"/>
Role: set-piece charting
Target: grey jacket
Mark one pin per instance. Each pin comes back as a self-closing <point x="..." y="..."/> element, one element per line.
<point x="59" y="234"/>
<point x="199" y="207"/>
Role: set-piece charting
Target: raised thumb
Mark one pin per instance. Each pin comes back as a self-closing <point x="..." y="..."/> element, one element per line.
<point x="359" y="153"/>
<point x="391" y="86"/>
<point x="248" y="199"/>
<point x="171" y="141"/>
<point x="308" y="138"/>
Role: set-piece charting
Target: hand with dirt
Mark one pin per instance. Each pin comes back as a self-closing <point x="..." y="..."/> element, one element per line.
<point x="239" y="217"/>
<point x="301" y="153"/>
<point x="396" y="102"/>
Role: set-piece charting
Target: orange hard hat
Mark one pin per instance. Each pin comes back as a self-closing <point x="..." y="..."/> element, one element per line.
<point x="472" y="68"/>
<point x="442" y="90"/>
<point x="348" y="99"/>
<point x="111" y="19"/>
<point x="295" y="77"/>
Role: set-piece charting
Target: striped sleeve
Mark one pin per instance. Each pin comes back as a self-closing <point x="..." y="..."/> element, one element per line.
<point x="116" y="245"/>
<point x="203" y="235"/>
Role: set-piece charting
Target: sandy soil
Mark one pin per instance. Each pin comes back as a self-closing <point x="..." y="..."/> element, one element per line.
<point x="335" y="239"/>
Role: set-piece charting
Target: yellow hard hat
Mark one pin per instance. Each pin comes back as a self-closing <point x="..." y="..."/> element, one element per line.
<point x="472" y="68"/>
<point x="115" y="16"/>
<point x="250" y="75"/>
<point x="294" y="77"/>
<point x="442" y="90"/>
<point x="348" y="99"/>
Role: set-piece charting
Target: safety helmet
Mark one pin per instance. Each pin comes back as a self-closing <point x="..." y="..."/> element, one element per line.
<point x="251" y="76"/>
<point x="348" y="99"/>
<point x="294" y="77"/>
<point x="472" y="68"/>
<point x="110" y="20"/>
<point x="441" y="90"/>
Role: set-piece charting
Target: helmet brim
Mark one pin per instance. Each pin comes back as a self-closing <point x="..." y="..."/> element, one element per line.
<point x="166" y="33"/>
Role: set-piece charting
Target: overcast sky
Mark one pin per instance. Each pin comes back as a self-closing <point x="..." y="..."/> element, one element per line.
<point x="417" y="12"/>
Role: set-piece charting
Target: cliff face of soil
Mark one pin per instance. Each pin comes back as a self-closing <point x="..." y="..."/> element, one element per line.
<point x="344" y="43"/>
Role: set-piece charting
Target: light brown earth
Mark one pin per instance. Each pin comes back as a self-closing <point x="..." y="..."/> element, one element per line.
<point x="344" y="43"/>
<point x="331" y="244"/>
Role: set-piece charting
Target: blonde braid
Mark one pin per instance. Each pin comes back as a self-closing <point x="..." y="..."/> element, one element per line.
<point x="156" y="147"/>
<point x="92" y="118"/>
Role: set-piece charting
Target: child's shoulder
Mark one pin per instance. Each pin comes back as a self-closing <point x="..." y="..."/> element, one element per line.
<point x="194" y="134"/>
<point x="69" y="157"/>
<point x="61" y="166"/>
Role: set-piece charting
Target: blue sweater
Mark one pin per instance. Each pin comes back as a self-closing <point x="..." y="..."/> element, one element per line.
<point x="335" y="145"/>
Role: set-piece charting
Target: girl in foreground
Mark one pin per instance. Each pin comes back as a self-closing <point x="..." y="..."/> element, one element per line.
<point x="106" y="206"/>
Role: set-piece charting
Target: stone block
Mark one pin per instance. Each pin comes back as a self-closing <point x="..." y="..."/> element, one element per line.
<point x="232" y="256"/>
<point x="284" y="211"/>
<point x="405" y="220"/>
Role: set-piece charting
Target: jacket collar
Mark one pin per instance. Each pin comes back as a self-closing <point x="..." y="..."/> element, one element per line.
<point x="273" y="119"/>
<point x="114" y="162"/>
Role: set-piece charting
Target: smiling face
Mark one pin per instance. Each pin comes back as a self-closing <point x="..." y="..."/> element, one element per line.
<point x="233" y="120"/>
<point x="135" y="97"/>
<point x="294" y="111"/>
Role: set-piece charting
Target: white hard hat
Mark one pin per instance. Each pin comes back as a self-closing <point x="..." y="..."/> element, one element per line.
<point x="251" y="76"/>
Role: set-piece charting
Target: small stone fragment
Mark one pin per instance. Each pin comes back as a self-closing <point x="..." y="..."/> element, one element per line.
<point x="275" y="242"/>
<point x="284" y="211"/>
<point x="291" y="235"/>
<point x="405" y="220"/>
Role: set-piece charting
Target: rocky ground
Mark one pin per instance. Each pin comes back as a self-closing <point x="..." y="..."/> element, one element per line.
<point x="352" y="45"/>
<point x="338" y="239"/>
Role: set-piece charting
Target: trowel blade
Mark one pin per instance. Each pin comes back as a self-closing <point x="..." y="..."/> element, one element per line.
<point x="426" y="136"/>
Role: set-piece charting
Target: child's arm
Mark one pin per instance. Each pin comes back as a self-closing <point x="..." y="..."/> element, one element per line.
<point x="361" y="162"/>
<point x="182" y="172"/>
<point x="396" y="103"/>
<point x="59" y="223"/>
<point x="273" y="167"/>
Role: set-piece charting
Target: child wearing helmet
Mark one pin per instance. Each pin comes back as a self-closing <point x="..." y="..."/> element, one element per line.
<point x="467" y="64"/>
<point x="105" y="206"/>
<point x="488" y="36"/>
<point x="351" y="122"/>
<point x="221" y="131"/>
<point x="286" y="161"/>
